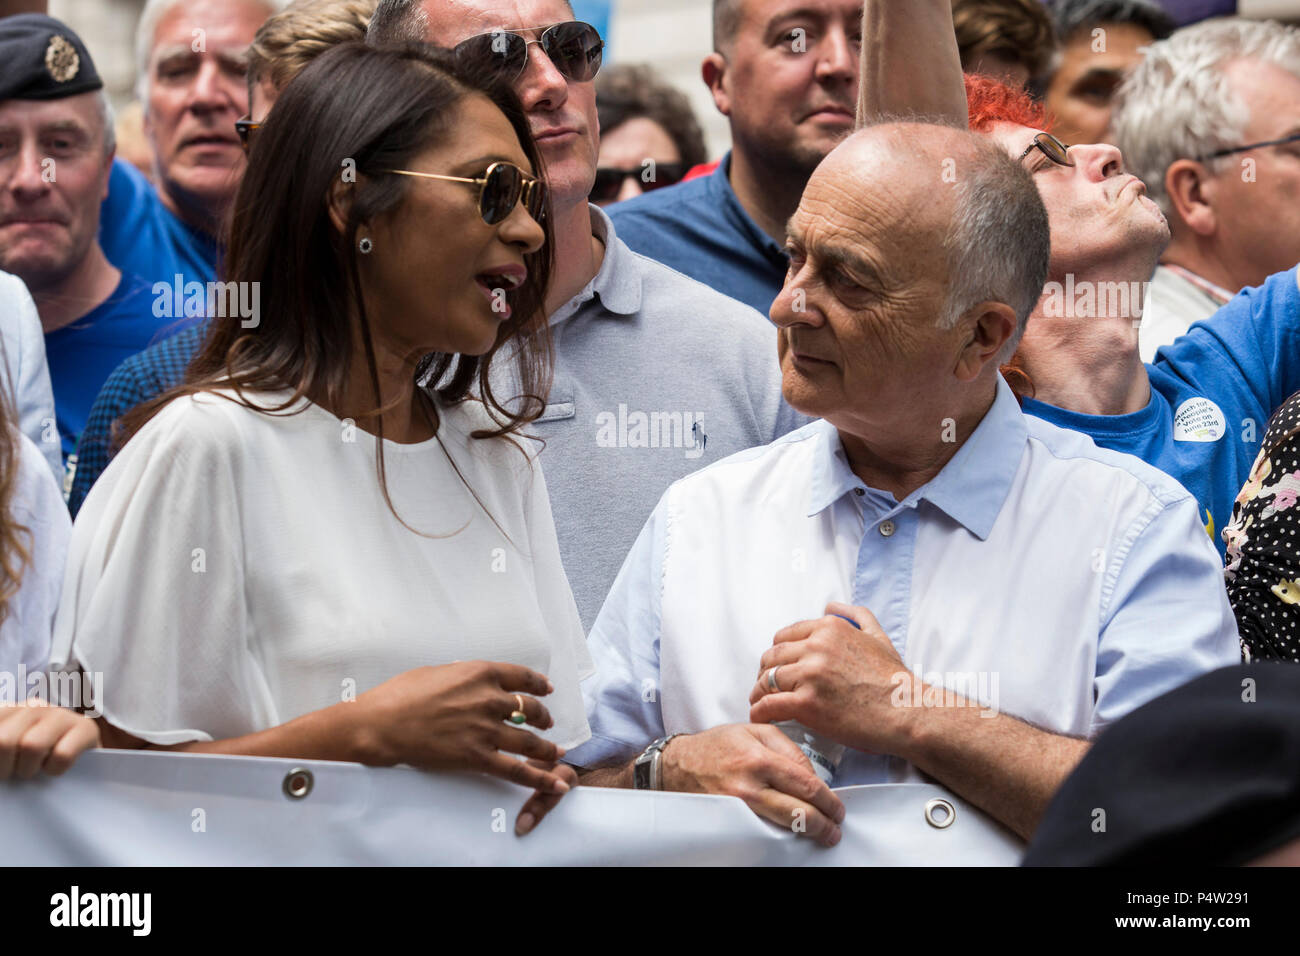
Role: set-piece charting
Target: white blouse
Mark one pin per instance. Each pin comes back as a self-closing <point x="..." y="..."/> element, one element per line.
<point x="232" y="570"/>
<point x="37" y="505"/>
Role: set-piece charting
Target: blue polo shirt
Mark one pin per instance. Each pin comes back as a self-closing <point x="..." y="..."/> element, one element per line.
<point x="141" y="237"/>
<point x="1213" y="391"/>
<point x="83" y="354"/>
<point x="700" y="229"/>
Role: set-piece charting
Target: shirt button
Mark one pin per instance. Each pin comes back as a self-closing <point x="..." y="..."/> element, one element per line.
<point x="886" y="528"/>
<point x="859" y="492"/>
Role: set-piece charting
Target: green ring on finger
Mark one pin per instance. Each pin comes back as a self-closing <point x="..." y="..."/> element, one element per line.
<point x="519" y="717"/>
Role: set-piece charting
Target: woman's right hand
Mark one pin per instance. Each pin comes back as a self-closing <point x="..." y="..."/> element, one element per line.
<point x="455" y="717"/>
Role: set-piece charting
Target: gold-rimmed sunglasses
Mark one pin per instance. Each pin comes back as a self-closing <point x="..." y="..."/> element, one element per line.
<point x="501" y="188"/>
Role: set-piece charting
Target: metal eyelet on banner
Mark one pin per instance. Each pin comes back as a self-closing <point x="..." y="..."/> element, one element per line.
<point x="944" y="821"/>
<point x="299" y="781"/>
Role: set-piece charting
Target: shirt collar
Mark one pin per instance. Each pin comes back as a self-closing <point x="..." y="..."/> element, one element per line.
<point x="617" y="284"/>
<point x="722" y="193"/>
<point x="971" y="489"/>
<point x="1217" y="293"/>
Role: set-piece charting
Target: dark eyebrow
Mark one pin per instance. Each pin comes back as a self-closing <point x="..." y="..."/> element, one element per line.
<point x="481" y="163"/>
<point x="801" y="13"/>
<point x="1099" y="73"/>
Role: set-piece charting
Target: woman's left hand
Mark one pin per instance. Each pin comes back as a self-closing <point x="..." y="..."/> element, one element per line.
<point x="541" y="803"/>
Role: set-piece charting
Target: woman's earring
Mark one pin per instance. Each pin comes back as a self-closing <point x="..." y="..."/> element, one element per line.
<point x="365" y="245"/>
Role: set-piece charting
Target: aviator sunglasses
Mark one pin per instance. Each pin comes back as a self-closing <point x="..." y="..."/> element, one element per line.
<point x="500" y="190"/>
<point x="574" y="47"/>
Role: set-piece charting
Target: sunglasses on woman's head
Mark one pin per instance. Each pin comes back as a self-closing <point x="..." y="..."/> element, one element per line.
<point x="574" y="47"/>
<point x="500" y="190"/>
<point x="609" y="180"/>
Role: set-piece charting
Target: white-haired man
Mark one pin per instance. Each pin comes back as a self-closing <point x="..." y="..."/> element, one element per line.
<point x="928" y="577"/>
<point x="1210" y="120"/>
<point x="190" y="80"/>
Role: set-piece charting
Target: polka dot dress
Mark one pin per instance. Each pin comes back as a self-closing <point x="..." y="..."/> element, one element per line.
<point x="1263" y="570"/>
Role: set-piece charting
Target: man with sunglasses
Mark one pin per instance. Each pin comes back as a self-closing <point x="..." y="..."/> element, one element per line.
<point x="656" y="375"/>
<point x="1199" y="411"/>
<point x="1222" y="160"/>
<point x="785" y="74"/>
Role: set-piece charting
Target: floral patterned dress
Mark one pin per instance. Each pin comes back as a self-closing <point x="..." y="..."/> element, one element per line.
<point x="1263" y="554"/>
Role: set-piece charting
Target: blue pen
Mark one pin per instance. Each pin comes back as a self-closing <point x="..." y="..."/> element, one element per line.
<point x="849" y="619"/>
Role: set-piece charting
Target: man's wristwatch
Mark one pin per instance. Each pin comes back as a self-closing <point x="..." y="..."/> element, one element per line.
<point x="647" y="773"/>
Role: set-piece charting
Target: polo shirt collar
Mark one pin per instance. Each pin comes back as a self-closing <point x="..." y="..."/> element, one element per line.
<point x="618" y="283"/>
<point x="971" y="489"/>
<point x="724" y="197"/>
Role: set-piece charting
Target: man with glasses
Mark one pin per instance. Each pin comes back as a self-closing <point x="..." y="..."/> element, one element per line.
<point x="1199" y="411"/>
<point x="655" y="374"/>
<point x="1221" y="159"/>
<point x="785" y="74"/>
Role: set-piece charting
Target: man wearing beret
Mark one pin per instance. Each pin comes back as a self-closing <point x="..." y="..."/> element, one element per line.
<point x="56" y="149"/>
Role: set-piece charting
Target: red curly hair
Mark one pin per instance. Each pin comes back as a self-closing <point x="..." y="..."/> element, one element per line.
<point x="988" y="102"/>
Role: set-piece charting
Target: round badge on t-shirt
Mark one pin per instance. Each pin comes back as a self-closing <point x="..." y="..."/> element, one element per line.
<point x="1199" y="419"/>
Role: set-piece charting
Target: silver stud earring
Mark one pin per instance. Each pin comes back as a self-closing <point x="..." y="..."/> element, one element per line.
<point x="365" y="245"/>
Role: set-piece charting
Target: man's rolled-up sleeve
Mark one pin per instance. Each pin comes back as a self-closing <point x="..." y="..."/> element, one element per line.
<point x="622" y="697"/>
<point x="1167" y="618"/>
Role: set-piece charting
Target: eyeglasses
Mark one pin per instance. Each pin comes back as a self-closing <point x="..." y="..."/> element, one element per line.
<point x="609" y="180"/>
<point x="1294" y="137"/>
<point x="500" y="190"/>
<point x="1051" y="147"/>
<point x="245" y="128"/>
<point x="574" y="47"/>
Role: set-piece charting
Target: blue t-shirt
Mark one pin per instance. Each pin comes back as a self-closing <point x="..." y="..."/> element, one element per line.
<point x="141" y="237"/>
<point x="700" y="229"/>
<point x="81" y="355"/>
<point x="1213" y="391"/>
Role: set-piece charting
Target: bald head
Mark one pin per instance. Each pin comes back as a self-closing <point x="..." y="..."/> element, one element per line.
<point x="930" y="192"/>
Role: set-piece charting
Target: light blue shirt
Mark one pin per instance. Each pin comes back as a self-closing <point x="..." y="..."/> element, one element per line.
<point x="1036" y="575"/>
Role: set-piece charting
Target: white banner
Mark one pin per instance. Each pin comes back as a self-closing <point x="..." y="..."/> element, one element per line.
<point x="145" y="808"/>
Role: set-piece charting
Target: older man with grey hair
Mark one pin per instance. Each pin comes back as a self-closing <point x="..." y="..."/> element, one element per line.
<point x="1210" y="121"/>
<point x="190" y="79"/>
<point x="926" y="583"/>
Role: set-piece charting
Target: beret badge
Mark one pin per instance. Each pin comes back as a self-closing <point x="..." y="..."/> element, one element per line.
<point x="61" y="60"/>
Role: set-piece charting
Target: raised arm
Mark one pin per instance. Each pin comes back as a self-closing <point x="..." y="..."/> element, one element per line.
<point x="910" y="63"/>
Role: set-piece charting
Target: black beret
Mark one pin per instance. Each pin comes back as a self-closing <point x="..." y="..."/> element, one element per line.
<point x="41" y="59"/>
<point x="1205" y="775"/>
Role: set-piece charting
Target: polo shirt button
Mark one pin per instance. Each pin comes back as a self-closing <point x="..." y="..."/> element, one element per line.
<point x="886" y="528"/>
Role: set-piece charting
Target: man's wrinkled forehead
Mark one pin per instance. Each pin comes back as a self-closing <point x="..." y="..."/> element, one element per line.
<point x="451" y="21"/>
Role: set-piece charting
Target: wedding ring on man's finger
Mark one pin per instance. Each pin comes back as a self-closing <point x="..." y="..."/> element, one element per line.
<point x="519" y="717"/>
<point x="772" y="685"/>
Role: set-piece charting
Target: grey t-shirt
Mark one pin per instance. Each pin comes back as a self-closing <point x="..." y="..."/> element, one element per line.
<point x="656" y="376"/>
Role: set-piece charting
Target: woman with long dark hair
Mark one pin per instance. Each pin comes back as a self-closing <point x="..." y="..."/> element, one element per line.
<point x="296" y="551"/>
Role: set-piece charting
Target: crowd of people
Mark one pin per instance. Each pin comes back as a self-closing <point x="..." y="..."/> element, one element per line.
<point x="425" y="396"/>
